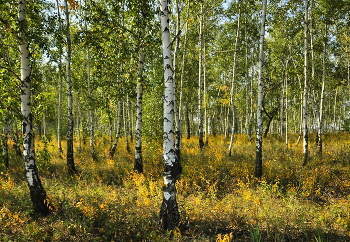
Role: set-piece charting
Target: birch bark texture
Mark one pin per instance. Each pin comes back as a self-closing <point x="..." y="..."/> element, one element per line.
<point x="169" y="213"/>
<point x="320" y="118"/>
<point x="305" y="93"/>
<point x="70" y="131"/>
<point x="258" y="161"/>
<point x="138" y="164"/>
<point x="200" y="79"/>
<point x="37" y="192"/>
<point x="232" y="96"/>
<point x="119" y="124"/>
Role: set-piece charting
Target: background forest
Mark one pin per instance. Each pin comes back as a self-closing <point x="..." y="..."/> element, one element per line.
<point x="97" y="93"/>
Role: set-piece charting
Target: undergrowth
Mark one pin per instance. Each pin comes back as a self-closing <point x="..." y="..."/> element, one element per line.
<point x="218" y="197"/>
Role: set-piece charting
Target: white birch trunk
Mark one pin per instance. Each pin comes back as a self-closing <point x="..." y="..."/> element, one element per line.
<point x="138" y="163"/>
<point x="258" y="161"/>
<point x="70" y="132"/>
<point x="200" y="80"/>
<point x="320" y="118"/>
<point x="305" y="93"/>
<point x="232" y="97"/>
<point x="126" y="130"/>
<point x="91" y="110"/>
<point x="169" y="213"/>
<point x="59" y="110"/>
<point x="179" y="145"/>
<point x="119" y="124"/>
<point x="37" y="192"/>
<point x="176" y="110"/>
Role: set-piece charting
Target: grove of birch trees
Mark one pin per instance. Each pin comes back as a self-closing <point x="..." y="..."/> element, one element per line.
<point x="157" y="72"/>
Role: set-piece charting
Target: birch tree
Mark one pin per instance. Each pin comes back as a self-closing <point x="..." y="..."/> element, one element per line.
<point x="70" y="132"/>
<point x="200" y="78"/>
<point x="37" y="191"/>
<point x="320" y="118"/>
<point x="232" y="96"/>
<point x="59" y="108"/>
<point x="119" y="124"/>
<point x="138" y="164"/>
<point x="169" y="214"/>
<point x="258" y="161"/>
<point x="305" y="92"/>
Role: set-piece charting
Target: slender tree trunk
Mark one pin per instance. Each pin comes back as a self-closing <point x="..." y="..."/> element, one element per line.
<point x="78" y="124"/>
<point x="205" y="104"/>
<point x="176" y="110"/>
<point x="258" y="161"/>
<point x="169" y="214"/>
<point x="130" y="121"/>
<point x="138" y="163"/>
<point x="184" y="52"/>
<point x="320" y="118"/>
<point x="188" y="124"/>
<point x="126" y="131"/>
<point x="91" y="111"/>
<point x="5" y="133"/>
<point x="119" y="124"/>
<point x="37" y="192"/>
<point x="200" y="79"/>
<point x="59" y="140"/>
<point x="232" y="98"/>
<point x="70" y="151"/>
<point x="286" y="108"/>
<point x="305" y="94"/>
<point x="251" y="116"/>
<point x="335" y="108"/>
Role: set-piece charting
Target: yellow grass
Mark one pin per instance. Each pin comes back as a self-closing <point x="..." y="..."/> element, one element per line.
<point x="218" y="197"/>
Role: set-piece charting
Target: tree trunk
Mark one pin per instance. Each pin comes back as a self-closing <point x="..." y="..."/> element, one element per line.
<point x="91" y="111"/>
<point x="200" y="79"/>
<point x="119" y="124"/>
<point x="179" y="136"/>
<point x="126" y="130"/>
<point x="70" y="151"/>
<point x="232" y="97"/>
<point x="188" y="124"/>
<point x="37" y="192"/>
<point x="138" y="163"/>
<point x="320" y="118"/>
<point x="176" y="111"/>
<point x="5" y="134"/>
<point x="169" y="214"/>
<point x="258" y="161"/>
<point x="305" y="94"/>
<point x="59" y="110"/>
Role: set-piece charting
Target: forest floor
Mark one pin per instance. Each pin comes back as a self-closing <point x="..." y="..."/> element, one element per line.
<point x="218" y="197"/>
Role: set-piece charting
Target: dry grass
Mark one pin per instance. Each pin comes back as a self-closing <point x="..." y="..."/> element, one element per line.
<point x="218" y="197"/>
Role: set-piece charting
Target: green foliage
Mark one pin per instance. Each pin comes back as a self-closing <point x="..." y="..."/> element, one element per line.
<point x="44" y="155"/>
<point x="152" y="118"/>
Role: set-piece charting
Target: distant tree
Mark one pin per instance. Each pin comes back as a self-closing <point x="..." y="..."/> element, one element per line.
<point x="117" y="136"/>
<point x="232" y="96"/>
<point x="200" y="78"/>
<point x="305" y="92"/>
<point x="5" y="135"/>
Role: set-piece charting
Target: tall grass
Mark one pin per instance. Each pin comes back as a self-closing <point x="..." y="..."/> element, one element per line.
<point x="219" y="199"/>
